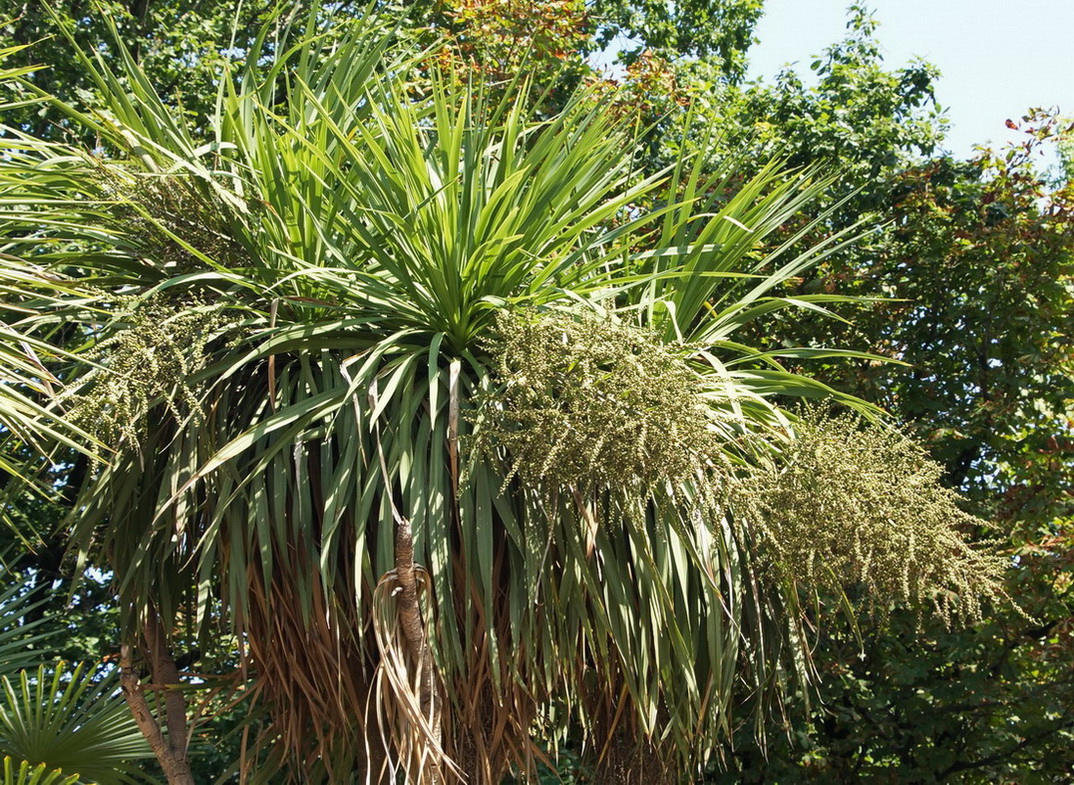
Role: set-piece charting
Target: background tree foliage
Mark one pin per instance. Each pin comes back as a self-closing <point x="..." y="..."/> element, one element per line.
<point x="717" y="31"/>
<point x="980" y="256"/>
<point x="977" y="258"/>
<point x="180" y="43"/>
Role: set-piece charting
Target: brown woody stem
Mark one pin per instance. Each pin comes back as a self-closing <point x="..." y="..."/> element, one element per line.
<point x="171" y="749"/>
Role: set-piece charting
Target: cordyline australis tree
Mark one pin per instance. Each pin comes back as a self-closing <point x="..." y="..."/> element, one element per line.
<point x="404" y="392"/>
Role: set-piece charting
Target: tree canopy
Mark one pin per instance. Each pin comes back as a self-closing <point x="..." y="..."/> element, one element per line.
<point x="438" y="396"/>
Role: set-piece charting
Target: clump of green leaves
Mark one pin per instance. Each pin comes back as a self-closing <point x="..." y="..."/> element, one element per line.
<point x="147" y="361"/>
<point x="173" y="223"/>
<point x="856" y="504"/>
<point x="592" y="404"/>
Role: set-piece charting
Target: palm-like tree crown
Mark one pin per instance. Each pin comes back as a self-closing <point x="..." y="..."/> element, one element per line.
<point x="354" y="347"/>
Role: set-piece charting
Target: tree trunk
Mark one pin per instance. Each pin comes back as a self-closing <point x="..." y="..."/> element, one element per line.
<point x="169" y="749"/>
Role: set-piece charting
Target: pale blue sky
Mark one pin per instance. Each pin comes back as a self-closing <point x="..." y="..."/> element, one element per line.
<point x="997" y="57"/>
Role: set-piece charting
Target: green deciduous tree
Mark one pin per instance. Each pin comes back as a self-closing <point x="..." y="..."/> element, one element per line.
<point x="977" y="256"/>
<point x="982" y="253"/>
<point x="721" y="32"/>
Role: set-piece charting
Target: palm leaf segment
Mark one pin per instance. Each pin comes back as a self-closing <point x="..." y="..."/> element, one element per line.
<point x="72" y="723"/>
<point x="30" y="421"/>
<point x="22" y="773"/>
<point x="329" y="268"/>
<point x="58" y="724"/>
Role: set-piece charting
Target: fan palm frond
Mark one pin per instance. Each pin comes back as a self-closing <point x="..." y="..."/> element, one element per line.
<point x="22" y="773"/>
<point x="53" y="717"/>
<point x="66" y="720"/>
